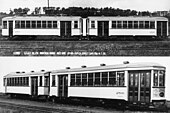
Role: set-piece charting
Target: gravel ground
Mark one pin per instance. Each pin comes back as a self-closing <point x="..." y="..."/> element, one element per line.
<point x="71" y="108"/>
<point x="80" y="109"/>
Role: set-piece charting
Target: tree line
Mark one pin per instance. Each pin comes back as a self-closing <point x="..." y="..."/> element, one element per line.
<point x="83" y="12"/>
<point x="79" y="11"/>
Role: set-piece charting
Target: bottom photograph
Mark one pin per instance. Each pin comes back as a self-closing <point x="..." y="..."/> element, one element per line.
<point x="84" y="84"/>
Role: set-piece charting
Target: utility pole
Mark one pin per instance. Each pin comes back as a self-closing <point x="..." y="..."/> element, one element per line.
<point x="48" y="4"/>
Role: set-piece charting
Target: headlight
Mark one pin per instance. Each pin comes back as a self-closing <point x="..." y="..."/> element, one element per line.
<point x="161" y="94"/>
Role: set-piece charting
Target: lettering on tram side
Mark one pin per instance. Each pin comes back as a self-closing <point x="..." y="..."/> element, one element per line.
<point x="60" y="53"/>
<point x="120" y="94"/>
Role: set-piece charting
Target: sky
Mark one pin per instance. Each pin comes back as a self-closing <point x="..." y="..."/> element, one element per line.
<point x="27" y="64"/>
<point x="139" y="5"/>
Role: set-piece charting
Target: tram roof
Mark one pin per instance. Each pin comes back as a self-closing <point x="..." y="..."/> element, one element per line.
<point x="107" y="67"/>
<point x="126" y="18"/>
<point x="24" y="74"/>
<point x="102" y="18"/>
<point x="41" y="18"/>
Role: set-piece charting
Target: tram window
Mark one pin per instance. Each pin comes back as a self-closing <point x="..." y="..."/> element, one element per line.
<point x="112" y="78"/>
<point x="130" y="24"/>
<point x="104" y="78"/>
<point x="4" y="24"/>
<point x="16" y="81"/>
<point x="44" y="24"/>
<point x="22" y="24"/>
<point x="120" y="78"/>
<point x="78" y="79"/>
<point x="19" y="81"/>
<point x="119" y="24"/>
<point x="49" y="23"/>
<point x="53" y="80"/>
<point x="97" y="79"/>
<point x="22" y="84"/>
<point x="17" y="24"/>
<point x="33" y="24"/>
<point x="84" y="79"/>
<point x="142" y="79"/>
<point x="90" y="79"/>
<point x="10" y="82"/>
<point x="155" y="78"/>
<point x="40" y="81"/>
<point x="28" y="24"/>
<point x="46" y="81"/>
<point x="152" y="25"/>
<point x="161" y="78"/>
<point x="146" y="24"/>
<point x="124" y="24"/>
<point x="38" y="24"/>
<point x="75" y="24"/>
<point x="147" y="79"/>
<point x="7" y="81"/>
<point x="92" y="24"/>
<point x="136" y="24"/>
<point x="4" y="81"/>
<point x="131" y="79"/>
<point x="54" y="24"/>
<point x="22" y="81"/>
<point x="73" y="83"/>
<point x="13" y="81"/>
<point x="113" y="24"/>
<point x="141" y="24"/>
<point x="27" y="81"/>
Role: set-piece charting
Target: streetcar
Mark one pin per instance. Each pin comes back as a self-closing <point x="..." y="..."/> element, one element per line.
<point x="127" y="84"/>
<point x="136" y="84"/>
<point x="90" y="28"/>
<point x="137" y="27"/>
<point x="62" y="27"/>
<point x="31" y="84"/>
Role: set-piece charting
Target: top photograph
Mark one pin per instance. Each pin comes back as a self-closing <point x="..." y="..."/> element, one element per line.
<point x="85" y="28"/>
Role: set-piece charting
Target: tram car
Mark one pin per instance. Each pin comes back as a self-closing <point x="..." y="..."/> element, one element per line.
<point x="31" y="84"/>
<point x="78" y="28"/>
<point x="124" y="84"/>
<point x="137" y="27"/>
<point x="61" y="27"/>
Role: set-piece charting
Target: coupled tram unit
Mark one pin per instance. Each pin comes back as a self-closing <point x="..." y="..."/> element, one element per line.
<point x="136" y="84"/>
<point x="90" y="28"/>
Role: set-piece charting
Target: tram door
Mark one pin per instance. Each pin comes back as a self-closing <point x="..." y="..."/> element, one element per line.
<point x="65" y="28"/>
<point x="161" y="29"/>
<point x="103" y="28"/>
<point x="10" y="24"/>
<point x="34" y="86"/>
<point x="139" y="86"/>
<point x="63" y="86"/>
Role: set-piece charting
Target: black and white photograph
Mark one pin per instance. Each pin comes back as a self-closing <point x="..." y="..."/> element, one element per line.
<point x="85" y="84"/>
<point x="85" y="28"/>
<point x="84" y="56"/>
